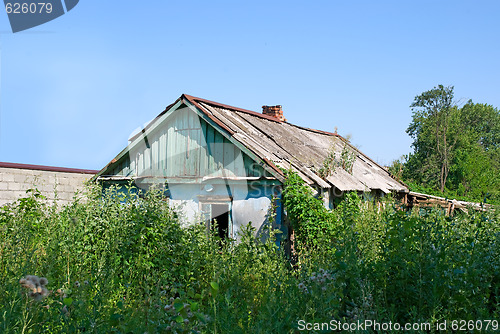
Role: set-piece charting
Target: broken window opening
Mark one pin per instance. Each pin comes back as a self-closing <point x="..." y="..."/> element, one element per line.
<point x="217" y="218"/>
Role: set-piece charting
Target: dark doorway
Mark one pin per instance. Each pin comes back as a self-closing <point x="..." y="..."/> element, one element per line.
<point x="220" y="217"/>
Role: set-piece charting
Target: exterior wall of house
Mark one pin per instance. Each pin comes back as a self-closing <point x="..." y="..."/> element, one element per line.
<point x="185" y="146"/>
<point x="57" y="184"/>
<point x="189" y="156"/>
<point x="247" y="203"/>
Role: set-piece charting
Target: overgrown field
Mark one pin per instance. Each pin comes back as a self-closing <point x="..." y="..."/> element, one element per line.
<point x="130" y="268"/>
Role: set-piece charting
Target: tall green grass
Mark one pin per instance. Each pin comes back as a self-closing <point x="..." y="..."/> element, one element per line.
<point x="118" y="263"/>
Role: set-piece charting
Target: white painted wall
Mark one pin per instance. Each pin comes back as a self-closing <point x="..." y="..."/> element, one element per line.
<point x="184" y="197"/>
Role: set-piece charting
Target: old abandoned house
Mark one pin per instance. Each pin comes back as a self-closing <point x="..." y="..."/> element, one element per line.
<point x="220" y="162"/>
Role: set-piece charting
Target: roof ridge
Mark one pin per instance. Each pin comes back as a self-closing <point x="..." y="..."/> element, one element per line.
<point x="226" y="106"/>
<point x="254" y="113"/>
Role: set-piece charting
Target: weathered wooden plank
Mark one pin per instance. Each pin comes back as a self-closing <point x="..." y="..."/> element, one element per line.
<point x="154" y="155"/>
<point x="147" y="161"/>
<point x="133" y="170"/>
<point x="210" y="150"/>
<point x="197" y="142"/>
<point x="239" y="167"/>
<point x="218" y="153"/>
<point x="140" y="163"/>
<point x="248" y="165"/>
<point x="181" y="144"/>
<point x="228" y="158"/>
<point x="162" y="153"/>
<point x="193" y="133"/>
<point x="203" y="148"/>
<point x="126" y="169"/>
<point x="170" y="143"/>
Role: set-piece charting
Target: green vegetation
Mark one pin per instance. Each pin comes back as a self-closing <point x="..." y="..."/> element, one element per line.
<point x="456" y="149"/>
<point x="334" y="160"/>
<point x="130" y="268"/>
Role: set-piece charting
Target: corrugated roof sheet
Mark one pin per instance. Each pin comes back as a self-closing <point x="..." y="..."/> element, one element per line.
<point x="286" y="145"/>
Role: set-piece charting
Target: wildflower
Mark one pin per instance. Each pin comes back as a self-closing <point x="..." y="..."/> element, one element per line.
<point x="77" y="284"/>
<point x="313" y="277"/>
<point x="168" y="307"/>
<point x="186" y="321"/>
<point x="36" y="285"/>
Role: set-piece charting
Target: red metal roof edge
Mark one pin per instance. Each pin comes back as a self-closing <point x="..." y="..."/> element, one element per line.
<point x="273" y="166"/>
<point x="194" y="100"/>
<point x="47" y="168"/>
<point x="226" y="106"/>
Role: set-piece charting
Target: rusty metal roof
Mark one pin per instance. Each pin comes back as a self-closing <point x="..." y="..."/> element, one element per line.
<point x="47" y="168"/>
<point x="301" y="149"/>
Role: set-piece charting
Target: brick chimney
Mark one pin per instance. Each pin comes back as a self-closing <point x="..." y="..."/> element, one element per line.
<point x="274" y="111"/>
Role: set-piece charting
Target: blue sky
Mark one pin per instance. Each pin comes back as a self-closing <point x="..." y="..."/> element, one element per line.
<point x="74" y="89"/>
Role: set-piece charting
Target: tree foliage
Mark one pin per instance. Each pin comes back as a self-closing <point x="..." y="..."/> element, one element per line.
<point x="456" y="150"/>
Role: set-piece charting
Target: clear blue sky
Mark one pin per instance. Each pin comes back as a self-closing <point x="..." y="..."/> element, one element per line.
<point x="74" y="89"/>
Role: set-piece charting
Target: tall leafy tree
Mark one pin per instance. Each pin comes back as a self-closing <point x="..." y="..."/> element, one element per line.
<point x="433" y="129"/>
<point x="455" y="149"/>
<point x="476" y="165"/>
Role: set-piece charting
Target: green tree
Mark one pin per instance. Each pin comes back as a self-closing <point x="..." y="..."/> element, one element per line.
<point x="433" y="129"/>
<point x="456" y="149"/>
<point x="476" y="164"/>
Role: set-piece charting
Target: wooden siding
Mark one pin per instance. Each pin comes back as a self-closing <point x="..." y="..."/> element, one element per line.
<point x="188" y="147"/>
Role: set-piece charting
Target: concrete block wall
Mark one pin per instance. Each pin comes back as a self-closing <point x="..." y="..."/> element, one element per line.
<point x="56" y="183"/>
